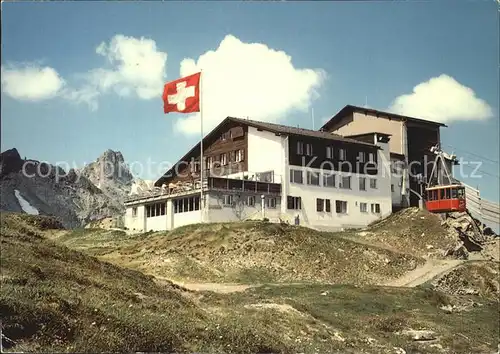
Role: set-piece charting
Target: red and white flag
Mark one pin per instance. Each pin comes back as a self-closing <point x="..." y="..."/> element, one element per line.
<point x="182" y="95"/>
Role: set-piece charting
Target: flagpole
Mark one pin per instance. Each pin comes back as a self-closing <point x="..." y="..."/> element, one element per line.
<point x="312" y="116"/>
<point x="202" y="204"/>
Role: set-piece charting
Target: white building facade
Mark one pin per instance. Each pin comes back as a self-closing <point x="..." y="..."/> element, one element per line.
<point x="285" y="174"/>
<point x="410" y="145"/>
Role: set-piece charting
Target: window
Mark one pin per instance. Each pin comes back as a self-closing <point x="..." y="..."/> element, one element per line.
<point x="240" y="155"/>
<point x="184" y="205"/>
<point x="296" y="176"/>
<point x="223" y="159"/>
<point x="373" y="183"/>
<point x="328" y="180"/>
<point x="250" y="200"/>
<point x="134" y="212"/>
<point x="362" y="183"/>
<point x="327" y="206"/>
<point x="329" y="152"/>
<point x="361" y="156"/>
<point x="293" y="203"/>
<point x="156" y="209"/>
<point x="375" y="208"/>
<point x="342" y="154"/>
<point x="271" y="203"/>
<point x="394" y="167"/>
<point x="320" y="203"/>
<point x="363" y="207"/>
<point x="392" y="187"/>
<point x="196" y="166"/>
<point x="228" y="199"/>
<point x="313" y="178"/>
<point x="397" y="166"/>
<point x="226" y="135"/>
<point x="345" y="182"/>
<point x="432" y="195"/>
<point x="371" y="157"/>
<point x="300" y="148"/>
<point x="309" y="149"/>
<point x="266" y="176"/>
<point x="341" y="207"/>
<point x="210" y="162"/>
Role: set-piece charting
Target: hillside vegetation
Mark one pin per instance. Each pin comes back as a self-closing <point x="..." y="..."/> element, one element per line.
<point x="411" y="231"/>
<point x="254" y="251"/>
<point x="55" y="299"/>
<point x="247" y="252"/>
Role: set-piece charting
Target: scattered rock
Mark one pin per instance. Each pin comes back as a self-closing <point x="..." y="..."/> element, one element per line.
<point x="419" y="335"/>
<point x="338" y="337"/>
<point x="370" y="340"/>
<point x="447" y="308"/>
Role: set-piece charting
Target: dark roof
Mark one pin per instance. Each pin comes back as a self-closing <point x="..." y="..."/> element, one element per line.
<point x="350" y="109"/>
<point x="288" y="130"/>
<point x="367" y="134"/>
<point x="271" y="127"/>
<point x="398" y="156"/>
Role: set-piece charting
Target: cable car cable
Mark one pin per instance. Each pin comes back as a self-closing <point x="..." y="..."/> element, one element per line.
<point x="473" y="154"/>
<point x="487" y="173"/>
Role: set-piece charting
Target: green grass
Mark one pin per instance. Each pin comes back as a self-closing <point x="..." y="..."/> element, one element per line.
<point x="380" y="313"/>
<point x="56" y="299"/>
<point x="246" y="252"/>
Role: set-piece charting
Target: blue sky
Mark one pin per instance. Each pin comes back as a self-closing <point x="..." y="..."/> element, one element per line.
<point x="69" y="91"/>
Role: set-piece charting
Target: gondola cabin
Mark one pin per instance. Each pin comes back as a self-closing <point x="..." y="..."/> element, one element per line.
<point x="445" y="199"/>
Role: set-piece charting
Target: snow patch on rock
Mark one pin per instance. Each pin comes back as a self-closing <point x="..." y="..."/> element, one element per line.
<point x="25" y="205"/>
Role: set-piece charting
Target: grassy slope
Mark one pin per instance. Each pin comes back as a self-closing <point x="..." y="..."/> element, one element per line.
<point x="56" y="299"/>
<point x="370" y="318"/>
<point x="473" y="277"/>
<point x="410" y="231"/>
<point x="247" y="252"/>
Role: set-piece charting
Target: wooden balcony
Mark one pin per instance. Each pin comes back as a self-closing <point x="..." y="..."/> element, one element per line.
<point x="210" y="183"/>
<point x="242" y="185"/>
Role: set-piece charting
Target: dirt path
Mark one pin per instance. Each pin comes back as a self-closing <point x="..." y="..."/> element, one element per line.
<point x="221" y="288"/>
<point x="431" y="269"/>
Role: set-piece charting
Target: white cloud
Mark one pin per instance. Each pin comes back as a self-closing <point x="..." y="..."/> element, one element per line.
<point x="442" y="99"/>
<point x="86" y="94"/>
<point x="31" y="82"/>
<point x="135" y="67"/>
<point x="248" y="79"/>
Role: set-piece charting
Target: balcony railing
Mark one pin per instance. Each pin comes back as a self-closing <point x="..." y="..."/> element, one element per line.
<point x="242" y="185"/>
<point x="242" y="181"/>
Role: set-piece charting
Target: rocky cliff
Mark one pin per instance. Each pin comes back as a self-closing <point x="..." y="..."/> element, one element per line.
<point x="74" y="197"/>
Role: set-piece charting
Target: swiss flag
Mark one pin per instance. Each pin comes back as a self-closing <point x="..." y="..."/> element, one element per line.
<point x="182" y="95"/>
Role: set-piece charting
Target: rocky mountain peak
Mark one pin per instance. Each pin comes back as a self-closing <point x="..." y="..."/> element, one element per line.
<point x="10" y="162"/>
<point x="110" y="167"/>
<point x="111" y="156"/>
<point x="76" y="196"/>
